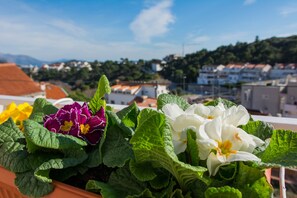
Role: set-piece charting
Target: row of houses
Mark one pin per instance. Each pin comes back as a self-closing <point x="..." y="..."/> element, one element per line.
<point x="144" y="94"/>
<point x="273" y="97"/>
<point x="237" y="73"/>
<point x="61" y="66"/>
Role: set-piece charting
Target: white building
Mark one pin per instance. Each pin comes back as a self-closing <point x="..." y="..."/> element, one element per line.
<point x="231" y="74"/>
<point x="253" y="73"/>
<point x="209" y="74"/>
<point x="281" y="70"/>
<point x="157" y="65"/>
<point x="290" y="108"/>
<point x="125" y="93"/>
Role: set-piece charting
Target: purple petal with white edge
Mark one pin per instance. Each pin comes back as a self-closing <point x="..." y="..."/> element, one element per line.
<point x="94" y="137"/>
<point x="74" y="131"/>
<point x="85" y="110"/>
<point x="75" y="105"/>
<point x="52" y="124"/>
<point x="82" y="119"/>
<point x="60" y="113"/>
<point x="101" y="113"/>
<point x="64" y="117"/>
<point x="95" y="123"/>
<point x="74" y="113"/>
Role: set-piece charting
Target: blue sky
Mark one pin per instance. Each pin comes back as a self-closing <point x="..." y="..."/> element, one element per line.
<point x="137" y="29"/>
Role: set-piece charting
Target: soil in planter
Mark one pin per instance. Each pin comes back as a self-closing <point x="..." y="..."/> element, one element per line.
<point x="100" y="173"/>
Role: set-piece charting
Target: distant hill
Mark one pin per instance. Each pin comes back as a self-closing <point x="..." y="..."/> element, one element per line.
<point x="269" y="51"/>
<point x="21" y="59"/>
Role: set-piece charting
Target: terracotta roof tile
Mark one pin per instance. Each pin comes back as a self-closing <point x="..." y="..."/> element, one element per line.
<point x="145" y="102"/>
<point x="54" y="92"/>
<point x="13" y="81"/>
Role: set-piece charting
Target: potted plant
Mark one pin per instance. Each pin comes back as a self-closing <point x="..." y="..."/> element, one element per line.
<point x="176" y="150"/>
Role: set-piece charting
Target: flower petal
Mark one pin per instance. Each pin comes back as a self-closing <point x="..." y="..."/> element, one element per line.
<point x="213" y="164"/>
<point x="172" y="111"/>
<point x="242" y="156"/>
<point x="94" y="137"/>
<point x="179" y="146"/>
<point x="236" y="116"/>
<point x="205" y="147"/>
<point x="187" y="120"/>
<point x="214" y="129"/>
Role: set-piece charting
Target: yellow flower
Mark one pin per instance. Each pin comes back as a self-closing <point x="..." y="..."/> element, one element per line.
<point x="17" y="113"/>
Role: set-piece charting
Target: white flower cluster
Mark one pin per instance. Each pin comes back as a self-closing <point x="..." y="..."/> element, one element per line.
<point x="219" y="139"/>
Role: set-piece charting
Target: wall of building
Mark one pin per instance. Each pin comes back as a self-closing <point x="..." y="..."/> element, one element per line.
<point x="262" y="98"/>
<point x="119" y="98"/>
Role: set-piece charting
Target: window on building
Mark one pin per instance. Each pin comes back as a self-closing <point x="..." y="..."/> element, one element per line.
<point x="122" y="103"/>
<point x="112" y="102"/>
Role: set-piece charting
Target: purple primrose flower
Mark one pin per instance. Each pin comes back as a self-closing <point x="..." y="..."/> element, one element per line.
<point x="78" y="121"/>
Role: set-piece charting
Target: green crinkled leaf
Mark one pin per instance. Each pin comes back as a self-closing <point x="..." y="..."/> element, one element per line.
<point x="161" y="180"/>
<point x="282" y="149"/>
<point x="166" y="192"/>
<point x="12" y="145"/>
<point x="116" y="150"/>
<point x="121" y="183"/>
<point x="106" y="190"/>
<point x="222" y="192"/>
<point x="103" y="88"/>
<point x="228" y="172"/>
<point x="197" y="188"/>
<point x="164" y="99"/>
<point x="145" y="194"/>
<point x="252" y="182"/>
<point x="129" y="115"/>
<point x="41" y="137"/>
<point x="177" y="193"/>
<point x="114" y="120"/>
<point x="259" y="189"/>
<point x="72" y="158"/>
<point x="247" y="175"/>
<point x="95" y="154"/>
<point x="152" y="142"/>
<point x="42" y="107"/>
<point x="215" y="102"/>
<point x="259" y="129"/>
<point x="142" y="171"/>
<point x="123" y="180"/>
<point x="192" y="148"/>
<point x="31" y="186"/>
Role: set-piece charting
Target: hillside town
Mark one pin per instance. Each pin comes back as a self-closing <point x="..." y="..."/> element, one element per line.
<point x="262" y="88"/>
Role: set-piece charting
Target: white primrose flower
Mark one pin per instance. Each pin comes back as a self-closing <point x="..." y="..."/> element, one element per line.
<point x="236" y="115"/>
<point x="208" y="112"/>
<point x="221" y="144"/>
<point x="180" y="122"/>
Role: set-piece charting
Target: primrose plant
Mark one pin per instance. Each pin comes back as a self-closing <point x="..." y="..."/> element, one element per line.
<point x="201" y="150"/>
<point x="177" y="150"/>
<point x="54" y="143"/>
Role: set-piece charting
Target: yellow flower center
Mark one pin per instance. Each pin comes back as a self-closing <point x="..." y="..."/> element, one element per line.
<point x="67" y="126"/>
<point x="224" y="148"/>
<point x="84" y="129"/>
<point x="210" y="117"/>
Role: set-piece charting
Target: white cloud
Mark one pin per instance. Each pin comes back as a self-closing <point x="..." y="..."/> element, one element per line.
<point x="286" y="11"/>
<point x="248" y="2"/>
<point x="200" y="39"/>
<point x="68" y="26"/>
<point x="152" y="21"/>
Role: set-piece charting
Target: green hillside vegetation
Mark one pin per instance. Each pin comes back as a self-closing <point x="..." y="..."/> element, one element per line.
<point x="270" y="51"/>
<point x="180" y="71"/>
